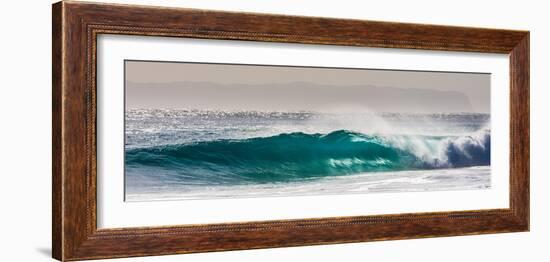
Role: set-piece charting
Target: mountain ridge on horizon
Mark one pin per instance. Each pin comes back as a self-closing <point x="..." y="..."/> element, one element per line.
<point x="298" y="95"/>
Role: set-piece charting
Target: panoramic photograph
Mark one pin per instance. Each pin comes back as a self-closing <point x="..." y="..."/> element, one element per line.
<point x="208" y="130"/>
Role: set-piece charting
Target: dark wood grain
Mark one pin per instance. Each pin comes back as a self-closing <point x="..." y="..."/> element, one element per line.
<point x="57" y="190"/>
<point x="519" y="129"/>
<point x="76" y="26"/>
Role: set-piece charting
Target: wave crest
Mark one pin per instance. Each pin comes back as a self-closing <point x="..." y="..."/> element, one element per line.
<point x="299" y="156"/>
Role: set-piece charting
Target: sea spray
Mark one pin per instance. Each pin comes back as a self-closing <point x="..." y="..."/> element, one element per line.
<point x="299" y="156"/>
<point x="185" y="154"/>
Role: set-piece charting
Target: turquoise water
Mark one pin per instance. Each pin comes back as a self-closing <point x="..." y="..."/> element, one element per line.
<point x="186" y="150"/>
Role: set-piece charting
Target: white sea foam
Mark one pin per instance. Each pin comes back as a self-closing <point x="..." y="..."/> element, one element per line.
<point x="380" y="182"/>
<point x="437" y="140"/>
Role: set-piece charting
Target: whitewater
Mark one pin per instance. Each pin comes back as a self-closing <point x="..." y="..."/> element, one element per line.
<point x="196" y="154"/>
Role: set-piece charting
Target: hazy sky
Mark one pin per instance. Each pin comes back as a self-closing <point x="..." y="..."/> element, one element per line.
<point x="252" y="87"/>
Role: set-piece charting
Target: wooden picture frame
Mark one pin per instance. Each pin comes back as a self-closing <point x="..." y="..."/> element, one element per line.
<point x="75" y="28"/>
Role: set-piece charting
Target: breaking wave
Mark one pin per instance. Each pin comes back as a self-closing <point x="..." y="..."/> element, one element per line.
<point x="299" y="156"/>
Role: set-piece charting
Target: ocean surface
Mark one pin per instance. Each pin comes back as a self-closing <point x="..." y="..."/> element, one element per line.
<point x="197" y="154"/>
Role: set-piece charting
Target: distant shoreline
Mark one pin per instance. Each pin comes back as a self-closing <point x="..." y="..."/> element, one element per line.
<point x="183" y="109"/>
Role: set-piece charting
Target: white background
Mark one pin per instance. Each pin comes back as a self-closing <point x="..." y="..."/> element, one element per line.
<point x="25" y="167"/>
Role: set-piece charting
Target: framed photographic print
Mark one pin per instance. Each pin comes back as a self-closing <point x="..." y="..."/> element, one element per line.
<point x="182" y="130"/>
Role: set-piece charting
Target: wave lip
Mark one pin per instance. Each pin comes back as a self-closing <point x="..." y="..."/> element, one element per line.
<point x="301" y="156"/>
